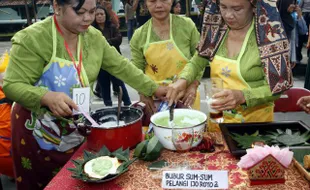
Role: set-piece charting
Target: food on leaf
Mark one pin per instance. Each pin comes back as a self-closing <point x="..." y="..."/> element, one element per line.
<point x="100" y="167"/>
<point x="94" y="167"/>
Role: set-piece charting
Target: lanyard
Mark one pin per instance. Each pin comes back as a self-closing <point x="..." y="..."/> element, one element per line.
<point x="77" y="67"/>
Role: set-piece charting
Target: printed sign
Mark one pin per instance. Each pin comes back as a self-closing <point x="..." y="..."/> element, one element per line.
<point x="81" y="97"/>
<point x="195" y="179"/>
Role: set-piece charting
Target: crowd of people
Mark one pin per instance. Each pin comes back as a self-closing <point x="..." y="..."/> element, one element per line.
<point x="248" y="47"/>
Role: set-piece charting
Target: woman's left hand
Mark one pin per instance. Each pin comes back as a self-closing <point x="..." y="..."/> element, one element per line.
<point x="190" y="95"/>
<point x="227" y="100"/>
<point x="161" y="92"/>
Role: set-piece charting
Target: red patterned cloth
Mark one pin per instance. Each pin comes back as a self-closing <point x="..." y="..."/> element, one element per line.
<point x="139" y="177"/>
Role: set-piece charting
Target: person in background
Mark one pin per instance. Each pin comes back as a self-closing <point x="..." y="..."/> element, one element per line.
<point x="286" y="7"/>
<point x="142" y="13"/>
<point x="307" y="75"/>
<point x="201" y="8"/>
<point x="48" y="61"/>
<point x="304" y="103"/>
<point x="176" y="7"/>
<point x="231" y="49"/>
<point x="299" y="30"/>
<point x="107" y="4"/>
<point x="305" y="9"/>
<point x="6" y="161"/>
<point x="130" y="8"/>
<point x="114" y="37"/>
<point x="162" y="47"/>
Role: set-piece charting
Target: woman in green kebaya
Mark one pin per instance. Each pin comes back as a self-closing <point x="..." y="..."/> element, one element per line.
<point x="161" y="48"/>
<point x="244" y="43"/>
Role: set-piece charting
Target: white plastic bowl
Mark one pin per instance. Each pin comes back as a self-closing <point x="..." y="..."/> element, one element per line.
<point x="164" y="133"/>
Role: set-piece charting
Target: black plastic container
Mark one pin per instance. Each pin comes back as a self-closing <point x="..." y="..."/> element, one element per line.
<point x="263" y="128"/>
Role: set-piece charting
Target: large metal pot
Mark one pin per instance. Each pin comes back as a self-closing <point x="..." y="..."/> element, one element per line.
<point x="127" y="135"/>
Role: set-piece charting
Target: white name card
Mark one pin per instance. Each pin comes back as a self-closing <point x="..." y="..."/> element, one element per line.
<point x="195" y="179"/>
<point x="81" y="97"/>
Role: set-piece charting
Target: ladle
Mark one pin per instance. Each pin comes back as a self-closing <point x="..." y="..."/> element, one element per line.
<point x="120" y="96"/>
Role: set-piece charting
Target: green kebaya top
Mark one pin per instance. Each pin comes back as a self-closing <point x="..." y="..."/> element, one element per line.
<point x="251" y="70"/>
<point x="185" y="36"/>
<point x="32" y="50"/>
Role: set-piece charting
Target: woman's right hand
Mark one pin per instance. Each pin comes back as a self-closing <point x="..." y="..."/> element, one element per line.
<point x="150" y="107"/>
<point x="59" y="103"/>
<point x="176" y="91"/>
<point x="304" y="103"/>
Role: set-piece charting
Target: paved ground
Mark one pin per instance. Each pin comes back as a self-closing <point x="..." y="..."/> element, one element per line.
<point x="97" y="103"/>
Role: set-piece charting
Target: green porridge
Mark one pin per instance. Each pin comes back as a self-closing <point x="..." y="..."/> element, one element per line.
<point x="180" y="121"/>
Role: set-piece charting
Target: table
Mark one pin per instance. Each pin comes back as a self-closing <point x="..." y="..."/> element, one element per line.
<point x="139" y="177"/>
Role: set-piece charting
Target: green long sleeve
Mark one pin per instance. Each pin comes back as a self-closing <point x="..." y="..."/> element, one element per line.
<point x="193" y="68"/>
<point x="251" y="70"/>
<point x="24" y="69"/>
<point x="32" y="50"/>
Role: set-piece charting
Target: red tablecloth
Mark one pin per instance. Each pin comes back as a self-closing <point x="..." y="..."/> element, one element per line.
<point x="139" y="177"/>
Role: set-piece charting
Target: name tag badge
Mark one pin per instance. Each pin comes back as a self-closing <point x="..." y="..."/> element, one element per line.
<point x="81" y="97"/>
<point x="195" y="179"/>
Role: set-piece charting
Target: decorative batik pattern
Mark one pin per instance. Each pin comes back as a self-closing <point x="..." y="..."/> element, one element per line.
<point x="212" y="32"/>
<point x="271" y="39"/>
<point x="273" y="46"/>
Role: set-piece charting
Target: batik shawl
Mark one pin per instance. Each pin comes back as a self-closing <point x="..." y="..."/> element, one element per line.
<point x="270" y="36"/>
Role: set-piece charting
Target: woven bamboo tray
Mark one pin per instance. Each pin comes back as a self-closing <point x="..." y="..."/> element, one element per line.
<point x="301" y="169"/>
